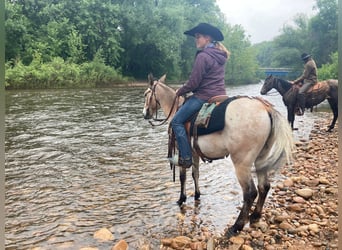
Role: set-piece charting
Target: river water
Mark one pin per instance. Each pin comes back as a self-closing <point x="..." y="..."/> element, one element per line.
<point x="81" y="160"/>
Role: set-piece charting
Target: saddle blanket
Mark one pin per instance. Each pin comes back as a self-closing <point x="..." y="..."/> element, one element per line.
<point x="216" y="121"/>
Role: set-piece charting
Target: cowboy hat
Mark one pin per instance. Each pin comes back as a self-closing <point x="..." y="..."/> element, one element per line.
<point x="206" y="29"/>
<point x="305" y="56"/>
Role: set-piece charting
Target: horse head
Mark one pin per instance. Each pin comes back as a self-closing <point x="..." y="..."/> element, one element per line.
<point x="268" y="85"/>
<point x="152" y="104"/>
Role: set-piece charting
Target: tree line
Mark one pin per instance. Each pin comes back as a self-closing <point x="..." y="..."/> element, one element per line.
<point x="85" y="43"/>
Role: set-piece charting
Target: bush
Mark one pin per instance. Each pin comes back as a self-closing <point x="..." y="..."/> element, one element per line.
<point x="60" y="74"/>
<point x="329" y="70"/>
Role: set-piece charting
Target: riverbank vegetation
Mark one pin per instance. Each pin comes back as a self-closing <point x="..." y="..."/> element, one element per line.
<point x="61" y="44"/>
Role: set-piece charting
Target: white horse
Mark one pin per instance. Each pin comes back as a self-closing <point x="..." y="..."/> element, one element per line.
<point x="254" y="133"/>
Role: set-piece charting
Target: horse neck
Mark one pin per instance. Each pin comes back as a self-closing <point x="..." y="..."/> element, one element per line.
<point x="282" y="86"/>
<point x="166" y="96"/>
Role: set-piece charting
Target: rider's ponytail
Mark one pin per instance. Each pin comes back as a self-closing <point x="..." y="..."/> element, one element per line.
<point x="221" y="47"/>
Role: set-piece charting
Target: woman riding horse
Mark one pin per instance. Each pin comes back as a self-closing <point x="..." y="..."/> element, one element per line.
<point x="206" y="80"/>
<point x="254" y="135"/>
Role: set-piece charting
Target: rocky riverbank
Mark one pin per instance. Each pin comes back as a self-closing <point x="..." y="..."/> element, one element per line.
<point x="300" y="213"/>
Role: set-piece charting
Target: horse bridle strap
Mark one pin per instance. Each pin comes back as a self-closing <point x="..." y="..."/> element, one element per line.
<point x="174" y="103"/>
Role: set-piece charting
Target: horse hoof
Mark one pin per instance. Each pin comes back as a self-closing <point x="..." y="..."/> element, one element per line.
<point x="181" y="200"/>
<point x="197" y="196"/>
<point x="230" y="233"/>
<point x="294" y="128"/>
<point x="330" y="129"/>
<point x="254" y="219"/>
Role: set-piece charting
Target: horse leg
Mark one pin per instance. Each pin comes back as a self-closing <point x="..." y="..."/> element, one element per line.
<point x="263" y="188"/>
<point x="195" y="176"/>
<point x="291" y="116"/>
<point x="334" y="107"/>
<point x="249" y="195"/>
<point x="182" y="178"/>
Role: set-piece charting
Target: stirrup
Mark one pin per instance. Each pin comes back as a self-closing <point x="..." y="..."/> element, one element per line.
<point x="174" y="159"/>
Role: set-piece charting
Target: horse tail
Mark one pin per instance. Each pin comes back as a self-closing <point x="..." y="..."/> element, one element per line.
<point x="279" y="146"/>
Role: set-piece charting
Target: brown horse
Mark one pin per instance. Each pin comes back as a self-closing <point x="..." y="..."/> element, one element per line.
<point x="325" y="90"/>
<point x="254" y="134"/>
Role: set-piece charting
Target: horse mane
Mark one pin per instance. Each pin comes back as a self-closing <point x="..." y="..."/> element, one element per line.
<point x="284" y="83"/>
<point x="168" y="93"/>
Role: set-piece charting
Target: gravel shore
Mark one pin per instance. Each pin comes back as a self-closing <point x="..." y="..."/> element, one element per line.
<point x="302" y="210"/>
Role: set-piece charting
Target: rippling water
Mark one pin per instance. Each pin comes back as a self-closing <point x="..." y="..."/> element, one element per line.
<point x="81" y="160"/>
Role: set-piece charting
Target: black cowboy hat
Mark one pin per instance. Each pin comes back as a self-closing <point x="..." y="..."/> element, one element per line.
<point x="206" y="29"/>
<point x="305" y="56"/>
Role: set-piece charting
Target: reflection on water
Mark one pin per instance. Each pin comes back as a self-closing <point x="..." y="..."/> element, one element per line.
<point x="81" y="160"/>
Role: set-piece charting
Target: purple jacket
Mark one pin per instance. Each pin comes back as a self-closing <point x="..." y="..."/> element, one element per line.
<point x="207" y="76"/>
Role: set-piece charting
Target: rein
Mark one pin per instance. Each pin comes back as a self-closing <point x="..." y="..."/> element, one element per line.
<point x="162" y="121"/>
<point x="278" y="88"/>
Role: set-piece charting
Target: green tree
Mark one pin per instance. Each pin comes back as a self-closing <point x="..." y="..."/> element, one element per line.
<point x="16" y="31"/>
<point x="242" y="66"/>
<point x="324" y="30"/>
<point x="329" y="70"/>
<point x="133" y="37"/>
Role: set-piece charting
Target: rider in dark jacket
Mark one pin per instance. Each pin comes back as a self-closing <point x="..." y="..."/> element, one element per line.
<point x="307" y="79"/>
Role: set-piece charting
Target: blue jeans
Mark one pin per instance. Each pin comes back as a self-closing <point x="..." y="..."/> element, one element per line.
<point x="190" y="107"/>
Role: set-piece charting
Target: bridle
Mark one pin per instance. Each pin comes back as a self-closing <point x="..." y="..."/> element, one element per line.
<point x="275" y="92"/>
<point x="174" y="104"/>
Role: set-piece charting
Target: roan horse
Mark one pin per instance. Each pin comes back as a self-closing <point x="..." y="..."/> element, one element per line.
<point x="254" y="133"/>
<point x="322" y="90"/>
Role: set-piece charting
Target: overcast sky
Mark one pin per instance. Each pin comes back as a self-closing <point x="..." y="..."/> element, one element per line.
<point x="263" y="19"/>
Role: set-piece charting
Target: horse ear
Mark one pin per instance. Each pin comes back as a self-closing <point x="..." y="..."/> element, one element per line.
<point x="150" y="79"/>
<point x="162" y="79"/>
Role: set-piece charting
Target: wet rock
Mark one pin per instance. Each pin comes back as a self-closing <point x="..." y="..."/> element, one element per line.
<point x="324" y="181"/>
<point x="256" y="234"/>
<point x="281" y="218"/>
<point x="145" y="247"/>
<point x="314" y="228"/>
<point x="302" y="228"/>
<point x="246" y="247"/>
<point x="312" y="183"/>
<point x="197" y="245"/>
<point x="211" y="244"/>
<point x="103" y="234"/>
<point x="121" y="245"/>
<point x="285" y="226"/>
<point x="180" y="242"/>
<point x="305" y="192"/>
<point x="298" y="199"/>
<point x="263" y="226"/>
<point x="166" y="242"/>
<point x="237" y="240"/>
<point x="295" y="207"/>
<point x="288" y="182"/>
